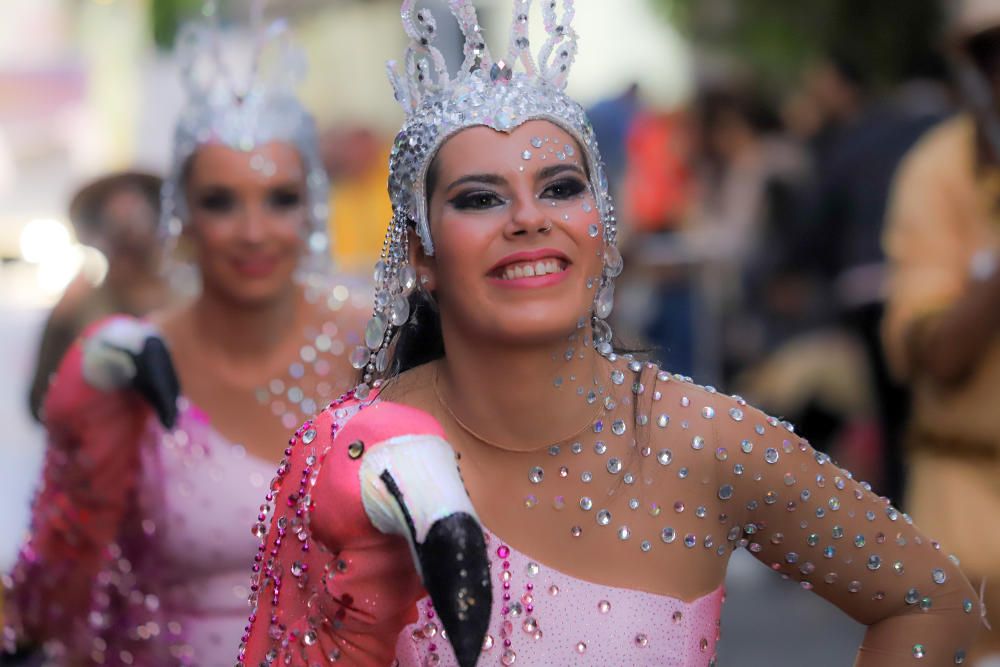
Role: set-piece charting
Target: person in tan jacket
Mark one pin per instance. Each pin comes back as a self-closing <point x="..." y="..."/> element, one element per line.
<point x="942" y="327"/>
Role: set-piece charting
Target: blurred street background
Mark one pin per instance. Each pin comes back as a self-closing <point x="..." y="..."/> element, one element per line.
<point x="751" y="145"/>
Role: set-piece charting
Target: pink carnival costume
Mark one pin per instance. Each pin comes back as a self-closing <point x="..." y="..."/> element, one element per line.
<point x="139" y="541"/>
<point x="336" y="576"/>
<point x="319" y="602"/>
<point x="333" y="590"/>
<point x="655" y="492"/>
<point x="138" y="546"/>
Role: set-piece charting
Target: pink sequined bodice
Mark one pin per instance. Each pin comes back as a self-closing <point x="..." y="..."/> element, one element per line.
<point x="206" y="489"/>
<point x="544" y="617"/>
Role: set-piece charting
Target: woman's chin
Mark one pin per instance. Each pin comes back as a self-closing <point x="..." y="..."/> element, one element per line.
<point x="256" y="292"/>
<point x="535" y="333"/>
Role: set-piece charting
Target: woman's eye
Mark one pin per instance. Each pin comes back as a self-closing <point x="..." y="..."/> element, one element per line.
<point x="217" y="201"/>
<point x="284" y="199"/>
<point x="476" y="201"/>
<point x="566" y="188"/>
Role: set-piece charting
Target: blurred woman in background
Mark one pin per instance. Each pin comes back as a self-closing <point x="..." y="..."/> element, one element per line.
<point x="140" y="533"/>
<point x="118" y="215"/>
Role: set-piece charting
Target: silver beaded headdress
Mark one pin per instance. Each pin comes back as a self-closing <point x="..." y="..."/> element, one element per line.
<point x="501" y="94"/>
<point x="243" y="116"/>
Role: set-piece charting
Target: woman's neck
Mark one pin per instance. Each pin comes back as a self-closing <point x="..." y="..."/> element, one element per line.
<point x="247" y="331"/>
<point x="520" y="398"/>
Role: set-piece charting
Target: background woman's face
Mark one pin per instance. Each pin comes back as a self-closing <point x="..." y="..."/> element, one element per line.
<point x="128" y="222"/>
<point x="248" y="219"/>
<point x="517" y="234"/>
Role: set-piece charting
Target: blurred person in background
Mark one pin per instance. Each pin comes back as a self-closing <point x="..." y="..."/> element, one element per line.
<point x="648" y="166"/>
<point x="117" y="214"/>
<point x="655" y="197"/>
<point x="355" y="158"/>
<point x="856" y="151"/>
<point x="613" y="119"/>
<point x="942" y="327"/>
<point x="158" y="461"/>
<point x="746" y="171"/>
<point x="777" y="344"/>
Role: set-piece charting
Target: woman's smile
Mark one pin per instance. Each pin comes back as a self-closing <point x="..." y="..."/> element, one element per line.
<point x="529" y="269"/>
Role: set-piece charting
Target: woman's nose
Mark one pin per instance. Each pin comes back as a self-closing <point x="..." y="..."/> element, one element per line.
<point x="528" y="216"/>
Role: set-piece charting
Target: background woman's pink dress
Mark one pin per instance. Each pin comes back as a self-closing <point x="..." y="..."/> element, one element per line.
<point x="140" y="539"/>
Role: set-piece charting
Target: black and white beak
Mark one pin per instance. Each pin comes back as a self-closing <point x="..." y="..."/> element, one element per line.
<point x="411" y="486"/>
<point x="130" y="353"/>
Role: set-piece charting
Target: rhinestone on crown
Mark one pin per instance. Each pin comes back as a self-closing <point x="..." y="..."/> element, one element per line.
<point x="244" y="115"/>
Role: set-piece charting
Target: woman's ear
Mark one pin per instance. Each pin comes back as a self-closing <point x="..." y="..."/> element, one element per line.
<point x="421" y="262"/>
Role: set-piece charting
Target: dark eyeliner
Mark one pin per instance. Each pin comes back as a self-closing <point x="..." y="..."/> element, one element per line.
<point x="572" y="187"/>
<point x="477" y="200"/>
<point x="217" y="200"/>
<point x="284" y="199"/>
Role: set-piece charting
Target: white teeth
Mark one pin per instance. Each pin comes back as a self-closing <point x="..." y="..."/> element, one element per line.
<point x="540" y="268"/>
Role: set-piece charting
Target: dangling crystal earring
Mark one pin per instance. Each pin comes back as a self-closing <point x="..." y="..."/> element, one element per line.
<point x="604" y="300"/>
<point x="317" y="261"/>
<point x="395" y="281"/>
<point x="179" y="272"/>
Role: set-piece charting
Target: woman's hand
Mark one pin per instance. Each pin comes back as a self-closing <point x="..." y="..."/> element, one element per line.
<point x="124" y="352"/>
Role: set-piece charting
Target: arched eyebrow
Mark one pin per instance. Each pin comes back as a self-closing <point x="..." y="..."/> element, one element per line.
<point x="286" y="184"/>
<point x="495" y="179"/>
<point x="556" y="169"/>
<point x="489" y="179"/>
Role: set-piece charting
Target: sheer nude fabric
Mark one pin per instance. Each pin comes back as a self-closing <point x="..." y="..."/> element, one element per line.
<point x="655" y="495"/>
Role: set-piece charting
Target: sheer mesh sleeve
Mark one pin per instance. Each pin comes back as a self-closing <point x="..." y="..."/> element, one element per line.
<point x="810" y="521"/>
<point x="88" y="479"/>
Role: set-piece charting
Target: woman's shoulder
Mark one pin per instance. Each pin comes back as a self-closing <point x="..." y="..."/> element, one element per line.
<point x="377" y="416"/>
<point x="708" y="415"/>
<point x="413" y="387"/>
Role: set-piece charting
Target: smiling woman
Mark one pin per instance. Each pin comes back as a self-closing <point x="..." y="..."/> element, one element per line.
<point x="611" y="493"/>
<point x="503" y="213"/>
<point x="246" y="222"/>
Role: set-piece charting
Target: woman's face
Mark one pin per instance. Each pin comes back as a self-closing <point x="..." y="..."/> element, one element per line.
<point x="517" y="235"/>
<point x="248" y="218"/>
<point x="127" y="224"/>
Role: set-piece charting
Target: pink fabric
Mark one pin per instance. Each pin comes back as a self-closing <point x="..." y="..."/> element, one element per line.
<point x="576" y="622"/>
<point x="331" y="585"/>
<point x="140" y="539"/>
<point x="204" y="493"/>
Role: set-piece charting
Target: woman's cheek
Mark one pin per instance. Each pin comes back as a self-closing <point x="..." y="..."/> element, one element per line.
<point x="585" y="222"/>
<point x="294" y="237"/>
<point x="465" y="239"/>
